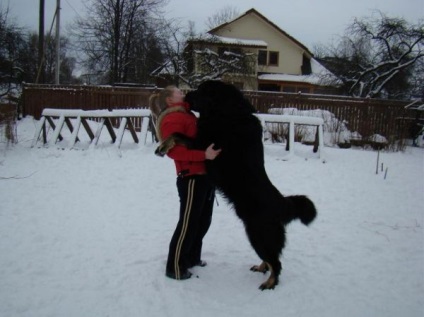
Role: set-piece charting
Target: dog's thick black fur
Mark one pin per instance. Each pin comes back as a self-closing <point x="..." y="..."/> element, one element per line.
<point x="226" y="119"/>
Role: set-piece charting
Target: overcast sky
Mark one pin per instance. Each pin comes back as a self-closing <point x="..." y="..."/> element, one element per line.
<point x="309" y="21"/>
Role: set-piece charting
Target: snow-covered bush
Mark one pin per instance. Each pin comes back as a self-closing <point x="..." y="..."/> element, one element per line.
<point x="377" y="141"/>
<point x="335" y="130"/>
<point x="8" y="134"/>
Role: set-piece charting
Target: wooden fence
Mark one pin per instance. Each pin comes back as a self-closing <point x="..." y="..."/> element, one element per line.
<point x="390" y="118"/>
<point x="37" y="97"/>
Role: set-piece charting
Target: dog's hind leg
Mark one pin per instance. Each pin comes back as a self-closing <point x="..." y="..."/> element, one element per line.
<point x="270" y="263"/>
<point x="268" y="247"/>
<point x="267" y="237"/>
<point x="272" y="281"/>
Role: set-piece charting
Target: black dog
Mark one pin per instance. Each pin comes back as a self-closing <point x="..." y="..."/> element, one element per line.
<point x="227" y="120"/>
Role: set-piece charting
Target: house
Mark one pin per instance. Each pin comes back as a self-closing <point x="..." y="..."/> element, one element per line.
<point x="279" y="63"/>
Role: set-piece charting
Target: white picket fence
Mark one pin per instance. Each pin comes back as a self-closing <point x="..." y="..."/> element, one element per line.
<point x="74" y="119"/>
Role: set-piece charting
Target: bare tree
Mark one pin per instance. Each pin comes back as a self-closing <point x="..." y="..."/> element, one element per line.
<point x="223" y="15"/>
<point x="173" y="40"/>
<point x="376" y="56"/>
<point x="117" y="37"/>
<point x="11" y="42"/>
<point x="67" y="63"/>
<point x="189" y="60"/>
<point x="197" y="63"/>
<point x="417" y="79"/>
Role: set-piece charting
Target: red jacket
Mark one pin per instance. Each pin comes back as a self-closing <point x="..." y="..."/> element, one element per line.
<point x="187" y="161"/>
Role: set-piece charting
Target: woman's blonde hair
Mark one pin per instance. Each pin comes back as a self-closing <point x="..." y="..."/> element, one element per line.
<point x="157" y="101"/>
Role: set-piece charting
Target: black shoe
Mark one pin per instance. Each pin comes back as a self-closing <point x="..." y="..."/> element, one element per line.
<point x="183" y="276"/>
<point x="199" y="263"/>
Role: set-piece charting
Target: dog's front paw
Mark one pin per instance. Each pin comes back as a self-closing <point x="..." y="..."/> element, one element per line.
<point x="165" y="146"/>
<point x="263" y="268"/>
<point x="160" y="151"/>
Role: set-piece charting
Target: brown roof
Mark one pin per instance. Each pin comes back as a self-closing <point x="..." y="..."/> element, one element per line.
<point x="267" y="21"/>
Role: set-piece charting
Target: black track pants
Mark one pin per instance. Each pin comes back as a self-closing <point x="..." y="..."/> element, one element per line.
<point x="196" y="205"/>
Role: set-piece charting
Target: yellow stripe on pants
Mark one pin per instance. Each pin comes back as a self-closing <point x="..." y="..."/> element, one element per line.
<point x="186" y="219"/>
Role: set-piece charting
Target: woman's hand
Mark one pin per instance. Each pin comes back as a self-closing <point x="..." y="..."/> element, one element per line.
<point x="210" y="153"/>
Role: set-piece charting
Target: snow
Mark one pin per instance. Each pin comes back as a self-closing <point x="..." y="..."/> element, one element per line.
<point x="237" y="41"/>
<point x="96" y="113"/>
<point x="206" y="37"/>
<point x="319" y="76"/>
<point x="335" y="131"/>
<point x="291" y="118"/>
<point x="311" y="79"/>
<point x="85" y="232"/>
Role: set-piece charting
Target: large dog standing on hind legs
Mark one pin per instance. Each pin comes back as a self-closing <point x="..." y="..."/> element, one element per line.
<point x="226" y="119"/>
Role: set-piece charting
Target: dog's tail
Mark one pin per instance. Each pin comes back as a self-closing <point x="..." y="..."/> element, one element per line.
<point x="302" y="208"/>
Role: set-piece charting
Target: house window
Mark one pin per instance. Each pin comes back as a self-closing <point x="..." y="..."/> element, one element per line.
<point x="262" y="57"/>
<point x="273" y="59"/>
<point x="306" y="66"/>
<point x="289" y="89"/>
<point x="304" y="90"/>
<point x="269" y="58"/>
<point x="296" y="89"/>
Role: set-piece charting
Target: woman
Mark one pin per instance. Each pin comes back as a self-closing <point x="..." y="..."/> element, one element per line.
<point x="194" y="189"/>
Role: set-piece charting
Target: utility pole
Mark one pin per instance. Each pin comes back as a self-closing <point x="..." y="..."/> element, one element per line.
<point x="57" y="43"/>
<point x="41" y="43"/>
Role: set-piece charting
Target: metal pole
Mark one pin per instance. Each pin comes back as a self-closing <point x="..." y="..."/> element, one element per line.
<point x="57" y="42"/>
<point x="40" y="44"/>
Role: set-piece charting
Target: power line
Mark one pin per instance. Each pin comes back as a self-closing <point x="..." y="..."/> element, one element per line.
<point x="73" y="9"/>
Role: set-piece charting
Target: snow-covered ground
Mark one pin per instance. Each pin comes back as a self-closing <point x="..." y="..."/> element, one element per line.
<point x="85" y="233"/>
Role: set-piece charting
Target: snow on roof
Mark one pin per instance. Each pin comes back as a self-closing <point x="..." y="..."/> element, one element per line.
<point x="319" y="76"/>
<point x="317" y="68"/>
<point x="311" y="79"/>
<point x="229" y="40"/>
<point x="209" y="38"/>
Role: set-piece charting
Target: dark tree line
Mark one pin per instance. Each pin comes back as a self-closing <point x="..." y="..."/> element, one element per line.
<point x="19" y="57"/>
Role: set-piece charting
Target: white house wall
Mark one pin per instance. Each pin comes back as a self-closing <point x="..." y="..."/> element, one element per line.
<point x="252" y="27"/>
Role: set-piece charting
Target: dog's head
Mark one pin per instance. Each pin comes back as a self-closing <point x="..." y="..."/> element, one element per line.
<point x="190" y="98"/>
<point x="218" y="97"/>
